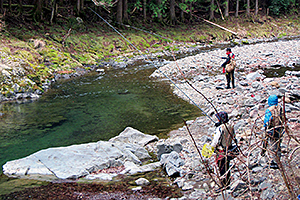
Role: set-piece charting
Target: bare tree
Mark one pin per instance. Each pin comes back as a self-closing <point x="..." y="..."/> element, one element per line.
<point x="172" y="12"/>
<point x="248" y="7"/>
<point x="159" y="15"/>
<point x="182" y="13"/>
<point x="237" y="8"/>
<point x="256" y="7"/>
<point x="145" y="10"/>
<point x="212" y="8"/>
<point x="120" y="11"/>
<point x="1" y="5"/>
<point x="125" y="8"/>
<point x="38" y="10"/>
<point x="226" y="8"/>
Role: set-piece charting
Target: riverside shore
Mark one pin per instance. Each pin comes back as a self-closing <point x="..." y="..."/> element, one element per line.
<point x="245" y="104"/>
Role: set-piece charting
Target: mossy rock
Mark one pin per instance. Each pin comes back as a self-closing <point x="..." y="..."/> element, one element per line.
<point x="25" y="55"/>
<point x="87" y="58"/>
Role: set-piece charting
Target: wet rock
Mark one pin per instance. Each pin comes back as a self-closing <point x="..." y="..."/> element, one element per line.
<point x="142" y="181"/>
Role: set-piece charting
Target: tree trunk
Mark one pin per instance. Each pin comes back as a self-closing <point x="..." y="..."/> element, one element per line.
<point x="227" y="9"/>
<point x="144" y="10"/>
<point x="78" y="7"/>
<point x="82" y="5"/>
<point x="20" y="7"/>
<point x="53" y="12"/>
<point x="125" y="8"/>
<point x="120" y="11"/>
<point x="172" y="12"/>
<point x="212" y="5"/>
<point x="256" y="7"/>
<point x="191" y="11"/>
<point x="38" y="10"/>
<point x="159" y="15"/>
<point x="9" y="5"/>
<point x="1" y="6"/>
<point x="182" y="13"/>
<point x="248" y="7"/>
<point x="237" y="8"/>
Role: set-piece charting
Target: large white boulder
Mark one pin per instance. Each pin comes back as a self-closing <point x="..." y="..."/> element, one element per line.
<point x="133" y="136"/>
<point x="78" y="160"/>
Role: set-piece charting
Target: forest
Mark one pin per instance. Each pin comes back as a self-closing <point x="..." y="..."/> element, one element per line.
<point x="167" y="12"/>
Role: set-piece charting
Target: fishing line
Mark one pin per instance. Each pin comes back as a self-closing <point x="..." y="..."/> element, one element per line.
<point x="139" y="29"/>
<point x="153" y="64"/>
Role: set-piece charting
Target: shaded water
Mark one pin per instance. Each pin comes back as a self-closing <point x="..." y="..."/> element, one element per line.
<point x="91" y="108"/>
<point x="279" y="71"/>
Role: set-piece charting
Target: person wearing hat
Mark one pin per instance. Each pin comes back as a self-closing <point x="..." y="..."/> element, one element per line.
<point x="274" y="129"/>
<point x="229" y="74"/>
<point x="224" y="135"/>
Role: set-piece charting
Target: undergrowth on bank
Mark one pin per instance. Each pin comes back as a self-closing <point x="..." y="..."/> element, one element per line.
<point x="68" y="44"/>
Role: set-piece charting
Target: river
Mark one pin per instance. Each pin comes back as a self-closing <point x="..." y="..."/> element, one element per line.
<point x="94" y="107"/>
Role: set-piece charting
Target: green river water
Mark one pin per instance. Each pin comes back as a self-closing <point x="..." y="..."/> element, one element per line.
<point x="91" y="108"/>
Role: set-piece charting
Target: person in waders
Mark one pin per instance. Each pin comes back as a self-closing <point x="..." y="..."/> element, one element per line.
<point x="274" y="131"/>
<point x="222" y="142"/>
<point x="228" y="67"/>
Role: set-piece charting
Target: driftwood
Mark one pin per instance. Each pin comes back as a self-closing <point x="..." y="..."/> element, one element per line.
<point x="221" y="27"/>
<point x="220" y="10"/>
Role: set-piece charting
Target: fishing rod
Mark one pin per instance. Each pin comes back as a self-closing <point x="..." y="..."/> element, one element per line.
<point x="154" y="65"/>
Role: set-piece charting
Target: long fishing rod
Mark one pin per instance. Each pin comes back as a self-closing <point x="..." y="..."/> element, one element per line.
<point x="154" y="65"/>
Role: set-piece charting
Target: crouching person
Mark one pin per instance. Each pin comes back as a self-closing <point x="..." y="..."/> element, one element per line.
<point x="222" y="142"/>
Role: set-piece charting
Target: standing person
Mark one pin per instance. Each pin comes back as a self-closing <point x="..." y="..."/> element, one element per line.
<point x="274" y="130"/>
<point x="229" y="72"/>
<point x="222" y="142"/>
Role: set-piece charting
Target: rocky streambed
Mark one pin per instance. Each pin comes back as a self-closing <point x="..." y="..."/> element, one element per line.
<point x="251" y="176"/>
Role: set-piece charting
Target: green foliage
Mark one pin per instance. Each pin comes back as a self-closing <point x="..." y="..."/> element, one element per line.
<point x="278" y="7"/>
<point x="158" y="9"/>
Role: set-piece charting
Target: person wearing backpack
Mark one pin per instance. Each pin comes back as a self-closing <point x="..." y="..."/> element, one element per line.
<point x="274" y="129"/>
<point x="224" y="135"/>
<point x="228" y="67"/>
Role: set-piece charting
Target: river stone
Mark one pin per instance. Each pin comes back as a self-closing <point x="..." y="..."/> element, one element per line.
<point x="131" y="135"/>
<point x="172" y="163"/>
<point x="142" y="181"/>
<point x="250" y="102"/>
<point x="269" y="193"/>
<point x="74" y="161"/>
<point x="101" y="176"/>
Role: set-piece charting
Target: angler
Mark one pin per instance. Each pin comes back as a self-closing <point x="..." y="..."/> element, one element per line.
<point x="228" y="67"/>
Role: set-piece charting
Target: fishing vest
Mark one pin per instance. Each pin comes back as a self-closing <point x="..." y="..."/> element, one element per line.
<point x="226" y="137"/>
<point x="275" y="125"/>
<point x="232" y="64"/>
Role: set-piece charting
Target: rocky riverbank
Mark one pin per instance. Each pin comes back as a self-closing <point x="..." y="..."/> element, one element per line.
<point x="251" y="176"/>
